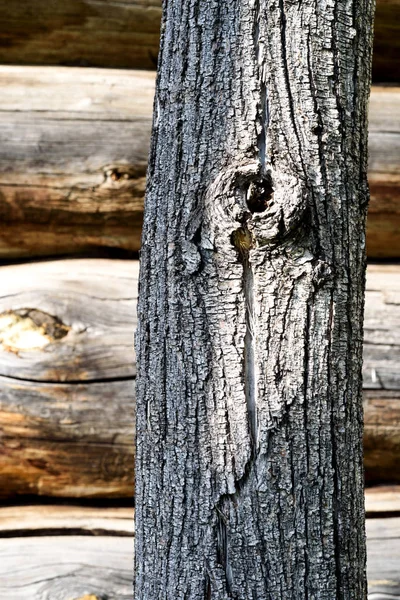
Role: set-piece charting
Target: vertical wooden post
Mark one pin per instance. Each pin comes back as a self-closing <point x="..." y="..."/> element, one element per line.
<point x="249" y="422"/>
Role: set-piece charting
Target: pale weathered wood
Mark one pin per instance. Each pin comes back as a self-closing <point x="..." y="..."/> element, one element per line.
<point x="382" y="328"/>
<point x="17" y="521"/>
<point x="71" y="320"/>
<point x="66" y="568"/>
<point x="102" y="33"/>
<point x="383" y="558"/>
<point x="89" y="310"/>
<point x="382" y="500"/>
<point x="73" y="156"/>
<point x="86" y="568"/>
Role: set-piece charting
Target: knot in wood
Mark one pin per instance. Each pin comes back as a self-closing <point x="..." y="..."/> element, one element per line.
<point x="243" y="240"/>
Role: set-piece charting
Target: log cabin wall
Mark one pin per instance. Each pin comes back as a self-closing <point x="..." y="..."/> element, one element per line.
<point x="77" y="82"/>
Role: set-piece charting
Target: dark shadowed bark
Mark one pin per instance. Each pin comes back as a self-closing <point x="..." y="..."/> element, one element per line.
<point x="249" y="422"/>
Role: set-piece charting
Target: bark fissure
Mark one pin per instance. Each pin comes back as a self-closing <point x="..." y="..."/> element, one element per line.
<point x="250" y="306"/>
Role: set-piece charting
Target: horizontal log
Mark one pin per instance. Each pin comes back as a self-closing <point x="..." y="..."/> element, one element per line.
<point x="28" y="521"/>
<point x="111" y="33"/>
<point x="73" y="155"/>
<point x="67" y="440"/>
<point x="66" y="568"/>
<point x="62" y="567"/>
<point x="382" y="500"/>
<point x="33" y="520"/>
<point x="100" y="33"/>
<point x="74" y="320"/>
<point x="70" y="320"/>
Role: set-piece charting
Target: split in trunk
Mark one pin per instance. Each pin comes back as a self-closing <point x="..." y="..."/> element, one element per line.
<point x="249" y="410"/>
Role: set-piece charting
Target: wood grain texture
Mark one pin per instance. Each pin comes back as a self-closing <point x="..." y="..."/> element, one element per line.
<point x="29" y="521"/>
<point x="71" y="320"/>
<point x="383" y="222"/>
<point x="66" y="568"/>
<point x="67" y="440"/>
<point x="73" y="157"/>
<point x="383" y="561"/>
<point x="72" y="567"/>
<point x="109" y="33"/>
<point x="100" y="33"/>
<point x="382" y="436"/>
<point x="66" y="341"/>
<point x="382" y="328"/>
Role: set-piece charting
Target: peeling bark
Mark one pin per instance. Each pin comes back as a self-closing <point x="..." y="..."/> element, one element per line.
<point x="249" y="417"/>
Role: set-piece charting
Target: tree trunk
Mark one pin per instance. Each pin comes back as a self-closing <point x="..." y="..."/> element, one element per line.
<point x="249" y="425"/>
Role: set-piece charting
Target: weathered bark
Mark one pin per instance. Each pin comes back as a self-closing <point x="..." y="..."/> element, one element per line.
<point x="249" y="419"/>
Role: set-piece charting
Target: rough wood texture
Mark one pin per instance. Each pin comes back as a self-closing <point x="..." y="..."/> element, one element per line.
<point x="251" y="302"/>
<point x="73" y="158"/>
<point x="100" y="33"/>
<point x="24" y="521"/>
<point x="109" y="33"/>
<point x="74" y="146"/>
<point x="86" y="568"/>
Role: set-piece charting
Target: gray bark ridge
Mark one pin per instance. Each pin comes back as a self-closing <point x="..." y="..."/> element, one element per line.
<point x="249" y="417"/>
